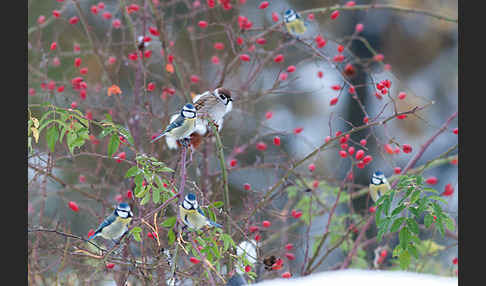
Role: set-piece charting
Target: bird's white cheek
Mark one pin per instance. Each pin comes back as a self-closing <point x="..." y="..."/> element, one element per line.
<point x="229" y="106"/>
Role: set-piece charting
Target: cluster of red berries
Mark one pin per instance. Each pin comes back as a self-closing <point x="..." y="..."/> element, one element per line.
<point x="383" y="87"/>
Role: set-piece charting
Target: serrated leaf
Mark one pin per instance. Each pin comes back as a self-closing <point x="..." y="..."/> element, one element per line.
<point x="397" y="251"/>
<point x="165" y="170"/>
<point x="105" y="131"/>
<point x="413" y="250"/>
<point x="404" y="259"/>
<point x="398" y="210"/>
<point x="450" y="223"/>
<point x="145" y="199"/>
<point x="412" y="225"/>
<point x="52" y="135"/>
<point x="169" y="222"/>
<point x="428" y="220"/>
<point x="396" y="224"/>
<point x="135" y="232"/>
<point x="131" y="172"/>
<point x="437" y="198"/>
<point x="430" y="190"/>
<point x="218" y="204"/>
<point x="113" y="144"/>
<point x="415" y="196"/>
<point x="155" y="195"/>
<point x="171" y="236"/>
<point x="404" y="237"/>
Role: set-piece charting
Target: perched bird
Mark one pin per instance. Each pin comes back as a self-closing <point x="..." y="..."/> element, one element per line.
<point x="379" y="185"/>
<point x="182" y="127"/>
<point x="294" y="22"/>
<point x="192" y="215"/>
<point x="196" y="136"/>
<point x="213" y="105"/>
<point x="116" y="224"/>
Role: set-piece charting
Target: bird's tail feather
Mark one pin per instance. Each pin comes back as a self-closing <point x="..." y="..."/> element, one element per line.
<point x="215" y="224"/>
<point x="158" y="137"/>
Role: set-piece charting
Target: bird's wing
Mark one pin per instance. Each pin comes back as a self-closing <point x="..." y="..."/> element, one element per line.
<point x="174" y="124"/>
<point x="107" y="221"/>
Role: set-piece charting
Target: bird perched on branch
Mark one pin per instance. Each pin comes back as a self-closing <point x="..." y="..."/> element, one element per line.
<point x="378" y="185"/>
<point x="182" y="126"/>
<point x="116" y="224"/>
<point x="192" y="215"/>
<point x="294" y="22"/>
<point x="213" y="105"/>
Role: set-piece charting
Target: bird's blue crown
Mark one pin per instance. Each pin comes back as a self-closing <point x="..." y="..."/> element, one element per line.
<point x="378" y="173"/>
<point x="191" y="197"/>
<point x="123" y="206"/>
<point x="289" y="12"/>
<point x="189" y="106"/>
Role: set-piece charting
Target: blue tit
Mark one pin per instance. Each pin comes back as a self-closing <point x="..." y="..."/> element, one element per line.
<point x="378" y="185"/>
<point x="192" y="215"/>
<point x="182" y="127"/>
<point x="294" y="22"/>
<point x="213" y="105"/>
<point x="116" y="224"/>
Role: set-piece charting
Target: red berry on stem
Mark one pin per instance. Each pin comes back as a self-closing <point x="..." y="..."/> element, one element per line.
<point x="261" y="146"/>
<point x="253" y="228"/>
<point x="289" y="246"/>
<point x="449" y="190"/>
<point x="334" y="15"/>
<point x="407" y="148"/>
<point x="72" y="205"/>
<point x="41" y="19"/>
<point x="263" y="5"/>
<point x="360" y="154"/>
<point x="402" y="95"/>
<point x="247" y="187"/>
<point x="367" y="159"/>
<point x="275" y="17"/>
<point x="312" y="167"/>
<point x="194" y="260"/>
<point x="110" y="265"/>
<point x="286" y="275"/>
<point x="278" y="58"/>
<point x="266" y="223"/>
<point x="333" y="101"/>
<point x="233" y="162"/>
<point x="431" y="180"/>
<point x="397" y="170"/>
<point x="372" y="209"/>
<point x="343" y="154"/>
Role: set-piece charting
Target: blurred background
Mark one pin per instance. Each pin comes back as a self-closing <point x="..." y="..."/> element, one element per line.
<point x="421" y="50"/>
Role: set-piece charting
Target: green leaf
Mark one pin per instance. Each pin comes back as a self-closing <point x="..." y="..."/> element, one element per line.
<point x="430" y="190"/>
<point x="145" y="199"/>
<point x="156" y="195"/>
<point x="415" y="196"/>
<point x="105" y="131"/>
<point x="450" y="223"/>
<point x="108" y="117"/>
<point x="135" y="232"/>
<point x="397" y="223"/>
<point x="404" y="237"/>
<point x="131" y="172"/>
<point x="171" y="236"/>
<point x="51" y="136"/>
<point x="412" y="224"/>
<point x="413" y="250"/>
<point x="383" y="228"/>
<point x="169" y="222"/>
<point x="218" y="204"/>
<point x="138" y="179"/>
<point x="226" y="241"/>
<point x="404" y="259"/>
<point x="437" y="198"/>
<point x="397" y="251"/>
<point x="398" y="210"/>
<point x="165" y="170"/>
<point x="113" y="144"/>
<point x="428" y="220"/>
